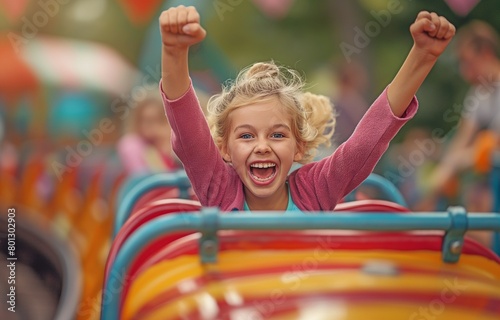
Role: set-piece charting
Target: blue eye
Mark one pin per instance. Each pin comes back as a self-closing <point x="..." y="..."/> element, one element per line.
<point x="278" y="135"/>
<point x="246" y="136"/>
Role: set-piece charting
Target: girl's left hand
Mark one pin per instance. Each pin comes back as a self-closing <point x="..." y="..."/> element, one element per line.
<point x="431" y="33"/>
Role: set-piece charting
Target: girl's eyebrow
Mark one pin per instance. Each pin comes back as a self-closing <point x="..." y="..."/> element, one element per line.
<point x="281" y="125"/>
<point x="244" y="126"/>
<point x="274" y="127"/>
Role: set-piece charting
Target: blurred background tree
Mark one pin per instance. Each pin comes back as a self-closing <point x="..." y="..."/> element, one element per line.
<point x="308" y="38"/>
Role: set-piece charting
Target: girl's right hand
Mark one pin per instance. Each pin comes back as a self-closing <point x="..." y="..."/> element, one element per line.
<point x="180" y="28"/>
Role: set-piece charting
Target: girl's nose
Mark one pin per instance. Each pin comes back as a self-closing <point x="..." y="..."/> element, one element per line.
<point x="262" y="146"/>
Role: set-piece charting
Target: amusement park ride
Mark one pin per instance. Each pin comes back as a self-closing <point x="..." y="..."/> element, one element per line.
<point x="368" y="259"/>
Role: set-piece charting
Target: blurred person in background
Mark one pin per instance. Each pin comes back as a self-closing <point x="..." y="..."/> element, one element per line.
<point x="350" y="103"/>
<point x="8" y="161"/>
<point x="478" y="51"/>
<point x="8" y="153"/>
<point x="407" y="164"/>
<point x="146" y="147"/>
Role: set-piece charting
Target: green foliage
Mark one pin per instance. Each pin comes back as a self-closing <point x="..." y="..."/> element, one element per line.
<point x="308" y="39"/>
<point x="303" y="39"/>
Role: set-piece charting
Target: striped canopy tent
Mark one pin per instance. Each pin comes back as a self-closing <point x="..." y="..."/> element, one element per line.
<point x="69" y="78"/>
<point x="79" y="78"/>
<point x="78" y="65"/>
<point x="18" y="84"/>
<point x="17" y="77"/>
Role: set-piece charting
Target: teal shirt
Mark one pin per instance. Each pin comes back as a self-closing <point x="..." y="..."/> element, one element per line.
<point x="291" y="207"/>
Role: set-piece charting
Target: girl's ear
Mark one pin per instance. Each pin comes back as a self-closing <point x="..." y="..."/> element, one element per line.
<point x="226" y="157"/>
<point x="299" y="153"/>
<point x="298" y="156"/>
<point x="223" y="150"/>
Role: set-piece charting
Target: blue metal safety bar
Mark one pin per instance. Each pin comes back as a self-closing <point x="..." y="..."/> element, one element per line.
<point x="172" y="179"/>
<point x="209" y="242"/>
<point x="145" y="183"/>
<point x="387" y="188"/>
<point x="455" y="222"/>
<point x="130" y="183"/>
<point x="454" y="237"/>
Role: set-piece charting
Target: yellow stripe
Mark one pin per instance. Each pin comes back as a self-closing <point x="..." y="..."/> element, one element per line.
<point x="170" y="273"/>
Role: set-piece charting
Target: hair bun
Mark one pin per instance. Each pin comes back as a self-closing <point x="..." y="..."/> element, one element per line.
<point x="262" y="70"/>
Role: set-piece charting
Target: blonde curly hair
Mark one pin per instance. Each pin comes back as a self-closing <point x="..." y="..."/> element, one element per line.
<point x="313" y="118"/>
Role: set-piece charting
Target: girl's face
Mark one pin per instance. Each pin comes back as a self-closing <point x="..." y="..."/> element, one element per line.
<point x="152" y="123"/>
<point x="261" y="148"/>
<point x="474" y="65"/>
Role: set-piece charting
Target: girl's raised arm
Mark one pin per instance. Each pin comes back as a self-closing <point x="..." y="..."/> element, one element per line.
<point x="180" y="28"/>
<point x="431" y="34"/>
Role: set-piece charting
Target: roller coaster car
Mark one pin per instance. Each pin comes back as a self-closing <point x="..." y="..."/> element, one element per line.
<point x="269" y="266"/>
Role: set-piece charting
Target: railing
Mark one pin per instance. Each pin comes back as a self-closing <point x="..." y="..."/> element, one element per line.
<point x="129" y="195"/>
<point x="387" y="188"/>
<point x="159" y="180"/>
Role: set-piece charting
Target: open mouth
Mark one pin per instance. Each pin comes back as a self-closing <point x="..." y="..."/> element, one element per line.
<point x="263" y="171"/>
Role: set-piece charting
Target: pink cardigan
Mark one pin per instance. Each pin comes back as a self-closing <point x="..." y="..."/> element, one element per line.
<point x="316" y="186"/>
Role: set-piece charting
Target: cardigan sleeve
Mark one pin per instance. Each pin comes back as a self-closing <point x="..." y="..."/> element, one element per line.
<point x="212" y="179"/>
<point x="321" y="185"/>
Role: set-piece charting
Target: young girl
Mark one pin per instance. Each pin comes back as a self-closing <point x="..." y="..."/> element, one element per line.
<point x="263" y="122"/>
